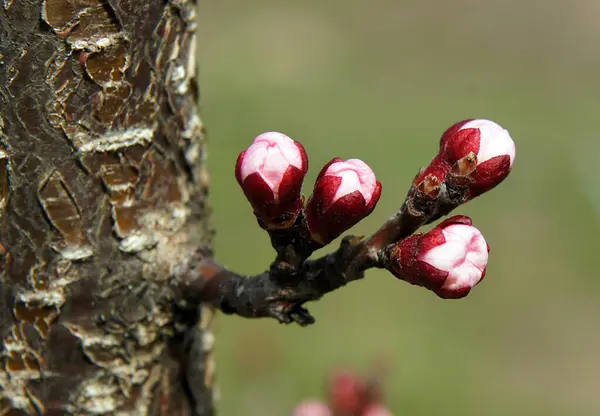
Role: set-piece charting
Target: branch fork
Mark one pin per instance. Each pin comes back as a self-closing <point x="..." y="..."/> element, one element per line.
<point x="474" y="157"/>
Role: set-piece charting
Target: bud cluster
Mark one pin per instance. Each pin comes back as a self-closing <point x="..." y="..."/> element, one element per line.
<point x="474" y="156"/>
<point x="271" y="172"/>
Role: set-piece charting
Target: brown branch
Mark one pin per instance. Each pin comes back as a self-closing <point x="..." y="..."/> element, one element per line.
<point x="425" y="203"/>
<point x="280" y="292"/>
<point x="272" y="294"/>
<point x="293" y="246"/>
<point x="292" y="280"/>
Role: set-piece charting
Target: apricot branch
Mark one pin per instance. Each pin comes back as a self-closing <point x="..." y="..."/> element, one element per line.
<point x="474" y="156"/>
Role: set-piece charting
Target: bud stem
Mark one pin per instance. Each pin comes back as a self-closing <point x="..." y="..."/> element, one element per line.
<point x="266" y="295"/>
<point x="293" y="246"/>
<point x="292" y="280"/>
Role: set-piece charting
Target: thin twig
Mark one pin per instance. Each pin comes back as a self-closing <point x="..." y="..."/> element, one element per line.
<point x="281" y="291"/>
<point x="266" y="294"/>
<point x="276" y="294"/>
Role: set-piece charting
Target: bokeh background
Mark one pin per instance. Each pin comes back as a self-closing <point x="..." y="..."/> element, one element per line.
<point x="381" y="80"/>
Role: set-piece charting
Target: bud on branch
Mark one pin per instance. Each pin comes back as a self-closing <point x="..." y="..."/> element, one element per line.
<point x="449" y="260"/>
<point x="489" y="143"/>
<point x="345" y="193"/>
<point x="271" y="172"/>
<point x="474" y="156"/>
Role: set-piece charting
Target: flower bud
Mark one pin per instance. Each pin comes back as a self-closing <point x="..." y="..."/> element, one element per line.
<point x="271" y="172"/>
<point x="489" y="142"/>
<point x="348" y="393"/>
<point x="376" y="410"/>
<point x="312" y="408"/>
<point x="449" y="260"/>
<point x="345" y="193"/>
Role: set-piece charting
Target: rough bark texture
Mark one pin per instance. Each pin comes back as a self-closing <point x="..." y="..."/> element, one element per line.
<point x="102" y="198"/>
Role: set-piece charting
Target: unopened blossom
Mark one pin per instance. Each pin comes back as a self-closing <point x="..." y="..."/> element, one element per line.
<point x="271" y="172"/>
<point x="348" y="393"/>
<point x="489" y="142"/>
<point x="345" y="192"/>
<point x="312" y="408"/>
<point x="449" y="260"/>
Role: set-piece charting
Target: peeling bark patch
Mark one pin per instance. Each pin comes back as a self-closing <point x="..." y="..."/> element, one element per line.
<point x="37" y="314"/>
<point x="61" y="210"/>
<point x="129" y="373"/>
<point x="136" y="181"/>
<point x="85" y="24"/>
<point x="97" y="396"/>
<point x="120" y="176"/>
<point x="35" y="308"/>
<point x="20" y="364"/>
<point x="162" y="181"/>
<point x="106" y="68"/>
<point x="115" y="140"/>
<point x="120" y="181"/>
<point x="125" y="220"/>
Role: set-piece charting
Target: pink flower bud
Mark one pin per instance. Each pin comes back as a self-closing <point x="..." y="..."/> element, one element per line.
<point x="312" y="408"/>
<point x="449" y="260"/>
<point x="270" y="173"/>
<point x="348" y="393"/>
<point x="345" y="193"/>
<point x="376" y="410"/>
<point x="492" y="144"/>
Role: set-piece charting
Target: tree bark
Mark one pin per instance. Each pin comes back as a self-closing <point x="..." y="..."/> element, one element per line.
<point x="102" y="198"/>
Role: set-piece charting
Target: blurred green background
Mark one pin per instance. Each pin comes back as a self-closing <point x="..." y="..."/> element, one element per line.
<point x="381" y="80"/>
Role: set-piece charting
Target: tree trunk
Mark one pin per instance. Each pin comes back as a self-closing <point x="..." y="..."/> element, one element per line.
<point x="102" y="198"/>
